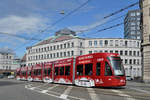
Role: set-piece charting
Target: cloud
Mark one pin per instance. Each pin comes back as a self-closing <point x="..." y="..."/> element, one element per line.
<point x="17" y="24"/>
<point x="85" y="28"/>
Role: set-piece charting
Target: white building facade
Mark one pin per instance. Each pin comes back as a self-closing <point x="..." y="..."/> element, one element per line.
<point x="68" y="45"/>
<point x="7" y="61"/>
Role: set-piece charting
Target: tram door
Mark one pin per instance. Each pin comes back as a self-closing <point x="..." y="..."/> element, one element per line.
<point x="107" y="74"/>
<point x="99" y="72"/>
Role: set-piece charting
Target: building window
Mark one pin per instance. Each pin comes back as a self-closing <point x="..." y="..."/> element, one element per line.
<point x="106" y="42"/>
<point x="65" y="45"/>
<point x="64" y="54"/>
<point x="50" y="47"/>
<point x="126" y="43"/>
<point x="130" y="62"/>
<point x="54" y="47"/>
<point x="44" y="48"/>
<point x="111" y="43"/>
<point x="57" y="47"/>
<point x="130" y="53"/>
<point x="134" y="53"/>
<point x="68" y="53"/>
<point x="106" y="51"/>
<point x="95" y="43"/>
<point x="60" y="54"/>
<point x="101" y="42"/>
<point x="121" y="52"/>
<point x="138" y="53"/>
<point x="111" y="51"/>
<point x="95" y="51"/>
<point x="47" y="56"/>
<point x="72" y="53"/>
<point x="54" y="55"/>
<point x="126" y="61"/>
<point x="68" y="45"/>
<point x="61" y="46"/>
<point x="90" y="52"/>
<point x="116" y="43"/>
<point x="81" y="52"/>
<point x="57" y="54"/>
<point x="90" y="43"/>
<point x="72" y="44"/>
<point x="116" y="51"/>
<point x="80" y="44"/>
<point x="126" y="53"/>
<point x="134" y="61"/>
<point x="132" y="14"/>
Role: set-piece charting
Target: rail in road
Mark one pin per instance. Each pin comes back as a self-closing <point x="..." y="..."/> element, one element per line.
<point x="69" y="92"/>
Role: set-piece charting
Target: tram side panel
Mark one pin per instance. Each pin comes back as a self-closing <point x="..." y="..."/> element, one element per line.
<point x="63" y="71"/>
<point x="30" y="73"/>
<point x="84" y="71"/>
<point x="23" y="73"/>
<point x="38" y="72"/>
<point x="47" y="73"/>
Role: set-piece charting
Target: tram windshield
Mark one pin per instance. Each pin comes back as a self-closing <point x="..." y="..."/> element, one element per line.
<point x="117" y="66"/>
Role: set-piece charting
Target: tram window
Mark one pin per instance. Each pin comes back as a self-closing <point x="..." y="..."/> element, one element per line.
<point x="108" y="71"/>
<point x="49" y="71"/>
<point x="29" y="72"/>
<point x="61" y="70"/>
<point x="98" y="68"/>
<point x="56" y="71"/>
<point x="79" y="69"/>
<point x="67" y="70"/>
<point x="45" y="71"/>
<point x="38" y="71"/>
<point x="88" y="69"/>
<point x="34" y="72"/>
<point x="18" y="73"/>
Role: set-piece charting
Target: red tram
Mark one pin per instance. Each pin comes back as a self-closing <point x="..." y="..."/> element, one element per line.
<point x="18" y="73"/>
<point x="92" y="70"/>
<point x="47" y="77"/>
<point x="23" y="73"/>
<point x="37" y="72"/>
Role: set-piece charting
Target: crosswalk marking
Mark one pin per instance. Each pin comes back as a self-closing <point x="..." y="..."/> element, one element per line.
<point x="92" y="94"/>
<point x="66" y="92"/>
<point x="45" y="91"/>
<point x="128" y="97"/>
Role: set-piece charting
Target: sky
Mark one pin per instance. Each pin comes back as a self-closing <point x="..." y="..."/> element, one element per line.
<point x="36" y="19"/>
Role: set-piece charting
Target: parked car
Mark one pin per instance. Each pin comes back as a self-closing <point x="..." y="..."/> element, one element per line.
<point x="1" y="76"/>
<point x="129" y="78"/>
<point x="11" y="76"/>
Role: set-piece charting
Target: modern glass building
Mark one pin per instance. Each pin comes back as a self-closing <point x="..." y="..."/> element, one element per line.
<point x="132" y="25"/>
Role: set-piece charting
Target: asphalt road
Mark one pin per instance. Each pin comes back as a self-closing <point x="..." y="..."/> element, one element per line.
<point x="22" y="90"/>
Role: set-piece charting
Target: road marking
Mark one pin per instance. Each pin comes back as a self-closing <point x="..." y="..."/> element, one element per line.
<point x="66" y="92"/>
<point x="45" y="91"/>
<point x="92" y="94"/>
<point x="127" y="97"/>
<point x="32" y="88"/>
<point x="140" y="90"/>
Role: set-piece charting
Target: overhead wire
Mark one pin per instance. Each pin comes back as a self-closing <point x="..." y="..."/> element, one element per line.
<point x="19" y="36"/>
<point x="59" y="20"/>
<point x="112" y="14"/>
